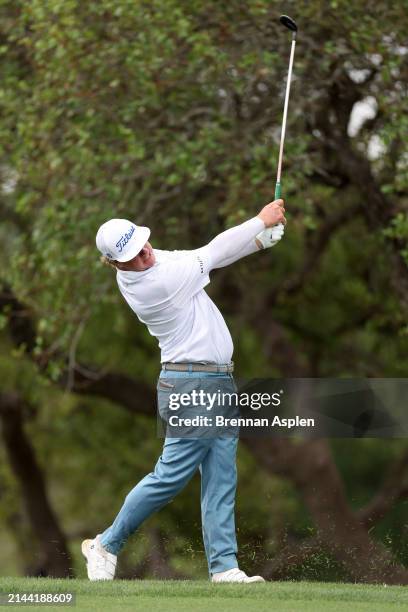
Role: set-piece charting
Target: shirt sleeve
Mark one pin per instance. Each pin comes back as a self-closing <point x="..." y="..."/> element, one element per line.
<point x="234" y="243"/>
<point x="187" y="275"/>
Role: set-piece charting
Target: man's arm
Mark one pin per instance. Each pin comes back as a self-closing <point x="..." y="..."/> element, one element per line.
<point x="187" y="275"/>
<point x="240" y="241"/>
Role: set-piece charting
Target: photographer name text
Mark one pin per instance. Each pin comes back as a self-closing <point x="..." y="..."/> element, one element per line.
<point x="221" y="421"/>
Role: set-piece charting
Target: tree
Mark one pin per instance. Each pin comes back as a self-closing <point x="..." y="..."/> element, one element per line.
<point x="169" y="114"/>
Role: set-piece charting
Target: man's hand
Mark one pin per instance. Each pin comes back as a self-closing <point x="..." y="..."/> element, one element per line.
<point x="273" y="213"/>
<point x="270" y="236"/>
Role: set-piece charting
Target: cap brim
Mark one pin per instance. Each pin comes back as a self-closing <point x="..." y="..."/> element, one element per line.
<point x="143" y="234"/>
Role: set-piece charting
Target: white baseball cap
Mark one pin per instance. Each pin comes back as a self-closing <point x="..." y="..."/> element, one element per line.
<point x="121" y="240"/>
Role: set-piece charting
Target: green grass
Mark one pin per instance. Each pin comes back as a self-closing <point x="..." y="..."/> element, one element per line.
<point x="202" y="596"/>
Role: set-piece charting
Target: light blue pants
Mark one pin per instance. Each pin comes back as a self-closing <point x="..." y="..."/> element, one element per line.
<point x="215" y="457"/>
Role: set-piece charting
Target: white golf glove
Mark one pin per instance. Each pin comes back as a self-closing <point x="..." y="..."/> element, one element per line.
<point x="271" y="235"/>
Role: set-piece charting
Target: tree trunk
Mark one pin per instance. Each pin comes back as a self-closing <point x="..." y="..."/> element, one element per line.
<point x="54" y="558"/>
<point x="311" y="468"/>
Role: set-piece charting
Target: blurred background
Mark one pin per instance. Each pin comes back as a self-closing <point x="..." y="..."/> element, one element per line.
<point x="169" y="113"/>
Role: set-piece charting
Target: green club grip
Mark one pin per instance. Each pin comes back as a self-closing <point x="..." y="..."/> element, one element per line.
<point x="278" y="191"/>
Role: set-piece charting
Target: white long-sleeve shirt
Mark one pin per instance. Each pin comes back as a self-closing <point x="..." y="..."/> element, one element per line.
<point x="170" y="299"/>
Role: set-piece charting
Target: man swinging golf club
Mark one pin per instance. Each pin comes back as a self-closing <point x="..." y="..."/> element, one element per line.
<point x="165" y="289"/>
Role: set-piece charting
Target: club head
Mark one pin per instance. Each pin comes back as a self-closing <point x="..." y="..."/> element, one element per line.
<point x="288" y="22"/>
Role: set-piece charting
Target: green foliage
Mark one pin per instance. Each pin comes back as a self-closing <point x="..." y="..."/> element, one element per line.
<point x="399" y="231"/>
<point x="169" y="113"/>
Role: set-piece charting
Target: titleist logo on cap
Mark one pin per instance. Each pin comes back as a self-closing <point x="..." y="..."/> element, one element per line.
<point x="123" y="240"/>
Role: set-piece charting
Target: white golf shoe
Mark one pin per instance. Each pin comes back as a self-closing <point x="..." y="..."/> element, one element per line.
<point x="235" y="575"/>
<point x="100" y="563"/>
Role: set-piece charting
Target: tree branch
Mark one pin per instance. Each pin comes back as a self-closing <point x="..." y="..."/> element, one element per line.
<point x="394" y="488"/>
<point x="135" y="396"/>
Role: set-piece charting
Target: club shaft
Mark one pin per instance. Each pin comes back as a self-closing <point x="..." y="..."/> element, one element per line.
<point x="285" y="111"/>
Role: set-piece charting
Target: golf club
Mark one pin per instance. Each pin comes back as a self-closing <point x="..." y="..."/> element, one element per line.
<point x="291" y="25"/>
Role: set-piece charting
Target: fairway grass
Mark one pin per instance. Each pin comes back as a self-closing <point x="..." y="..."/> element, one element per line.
<point x="202" y="596"/>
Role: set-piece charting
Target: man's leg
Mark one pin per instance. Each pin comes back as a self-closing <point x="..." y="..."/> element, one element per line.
<point x="218" y="487"/>
<point x="179" y="461"/>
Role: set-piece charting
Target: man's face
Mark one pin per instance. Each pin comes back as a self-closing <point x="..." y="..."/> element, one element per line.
<point x="144" y="259"/>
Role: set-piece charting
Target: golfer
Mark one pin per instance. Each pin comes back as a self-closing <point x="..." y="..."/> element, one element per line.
<point x="165" y="289"/>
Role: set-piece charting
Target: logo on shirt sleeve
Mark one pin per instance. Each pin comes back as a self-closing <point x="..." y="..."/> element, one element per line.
<point x="200" y="261"/>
